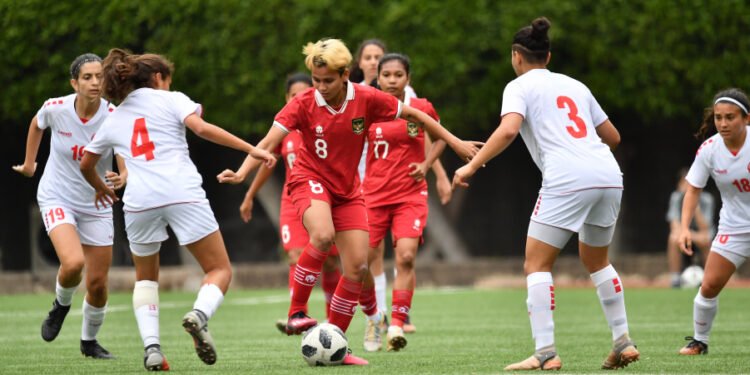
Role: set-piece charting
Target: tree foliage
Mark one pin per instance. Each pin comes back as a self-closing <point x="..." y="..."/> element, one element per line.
<point x="646" y="61"/>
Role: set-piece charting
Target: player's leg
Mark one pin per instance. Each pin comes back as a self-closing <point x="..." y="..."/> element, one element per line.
<point x="352" y="245"/>
<point x="405" y="251"/>
<point x="376" y="259"/>
<point x="378" y="220"/>
<point x="98" y="261"/>
<point x="728" y="252"/>
<point x="64" y="236"/>
<point x="330" y="276"/>
<point x="146" y="230"/>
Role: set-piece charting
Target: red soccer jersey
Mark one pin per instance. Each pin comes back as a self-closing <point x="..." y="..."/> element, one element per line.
<point x="393" y="145"/>
<point x="333" y="138"/>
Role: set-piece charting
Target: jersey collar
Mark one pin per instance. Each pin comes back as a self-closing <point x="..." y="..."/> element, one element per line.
<point x="321" y="102"/>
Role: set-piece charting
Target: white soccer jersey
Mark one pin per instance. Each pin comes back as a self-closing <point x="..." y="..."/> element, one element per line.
<point x="147" y="130"/>
<point x="62" y="181"/>
<point x="559" y="129"/>
<point x="731" y="173"/>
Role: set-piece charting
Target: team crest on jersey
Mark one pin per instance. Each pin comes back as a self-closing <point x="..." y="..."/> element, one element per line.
<point x="358" y="125"/>
<point x="412" y="130"/>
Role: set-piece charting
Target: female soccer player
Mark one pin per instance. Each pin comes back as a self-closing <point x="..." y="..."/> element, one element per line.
<point x="334" y="119"/>
<point x="570" y="139"/>
<point x="395" y="193"/>
<point x="293" y="234"/>
<point x="81" y="234"/>
<point x="148" y="131"/>
<point x="725" y="157"/>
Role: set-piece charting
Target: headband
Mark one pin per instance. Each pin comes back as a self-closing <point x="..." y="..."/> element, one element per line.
<point x="75" y="69"/>
<point x="733" y="101"/>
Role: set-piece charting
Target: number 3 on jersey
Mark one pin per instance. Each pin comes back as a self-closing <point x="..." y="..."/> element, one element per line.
<point x="145" y="147"/>
<point x="579" y="130"/>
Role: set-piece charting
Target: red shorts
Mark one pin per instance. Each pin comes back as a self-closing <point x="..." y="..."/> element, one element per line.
<point x="405" y="220"/>
<point x="347" y="214"/>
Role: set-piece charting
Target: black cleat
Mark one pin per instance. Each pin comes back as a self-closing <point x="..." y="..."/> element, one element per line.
<point x="52" y="325"/>
<point x="94" y="350"/>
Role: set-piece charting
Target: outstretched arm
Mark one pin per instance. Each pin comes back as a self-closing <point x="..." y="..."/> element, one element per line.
<point x="33" y="140"/>
<point x="465" y="150"/>
<point x="268" y="143"/>
<point x="222" y="137"/>
<point x="503" y="136"/>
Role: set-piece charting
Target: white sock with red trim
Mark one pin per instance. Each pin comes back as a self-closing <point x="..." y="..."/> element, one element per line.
<point x="612" y="297"/>
<point x="541" y="304"/>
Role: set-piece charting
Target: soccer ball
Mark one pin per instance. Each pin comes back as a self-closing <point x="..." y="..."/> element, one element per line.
<point x="692" y="277"/>
<point x="324" y="345"/>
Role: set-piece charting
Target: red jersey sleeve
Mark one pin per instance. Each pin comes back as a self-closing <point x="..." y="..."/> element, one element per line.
<point x="289" y="118"/>
<point x="383" y="107"/>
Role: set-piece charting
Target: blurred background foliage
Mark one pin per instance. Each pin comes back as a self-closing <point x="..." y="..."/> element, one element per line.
<point x="653" y="65"/>
<point x="646" y="61"/>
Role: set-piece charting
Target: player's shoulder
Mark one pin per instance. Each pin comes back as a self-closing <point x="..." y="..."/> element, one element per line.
<point x="58" y="103"/>
<point x="708" y="147"/>
<point x="421" y="104"/>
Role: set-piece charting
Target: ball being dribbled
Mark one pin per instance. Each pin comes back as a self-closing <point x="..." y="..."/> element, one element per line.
<point x="324" y="345"/>
<point x="691" y="277"/>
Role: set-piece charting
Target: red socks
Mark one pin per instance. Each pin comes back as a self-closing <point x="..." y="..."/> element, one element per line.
<point x="344" y="303"/>
<point x="305" y="276"/>
<point x="401" y="305"/>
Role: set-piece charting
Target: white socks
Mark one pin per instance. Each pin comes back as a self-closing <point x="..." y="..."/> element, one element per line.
<point x="208" y="300"/>
<point x="380" y="286"/>
<point x="612" y="297"/>
<point x="64" y="295"/>
<point x="93" y="317"/>
<point x="541" y="303"/>
<point x="704" y="312"/>
<point x="146" y="306"/>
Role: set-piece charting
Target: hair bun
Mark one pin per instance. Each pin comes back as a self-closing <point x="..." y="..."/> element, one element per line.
<point x="540" y="26"/>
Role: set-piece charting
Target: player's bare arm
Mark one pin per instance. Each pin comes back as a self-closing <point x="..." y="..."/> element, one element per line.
<point x="465" y="149"/>
<point x="104" y="194"/>
<point x="268" y="143"/>
<point x="28" y="168"/>
<point x="689" y="204"/>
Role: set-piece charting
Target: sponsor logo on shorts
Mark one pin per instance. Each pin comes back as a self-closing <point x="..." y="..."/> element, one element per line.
<point x="417" y="224"/>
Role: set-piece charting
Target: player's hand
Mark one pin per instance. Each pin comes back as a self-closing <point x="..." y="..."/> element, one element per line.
<point x="105" y="197"/>
<point x="246" y="210"/>
<point x="686" y="242"/>
<point x="229" y="176"/>
<point x="26" y="170"/>
<point x="462" y="175"/>
<point x="418" y="171"/>
<point x="467" y="149"/>
<point x="266" y="157"/>
<point x="114" y="180"/>
<point x="444" y="190"/>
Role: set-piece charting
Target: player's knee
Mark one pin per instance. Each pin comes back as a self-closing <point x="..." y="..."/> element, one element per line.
<point x="72" y="266"/>
<point x="406" y="260"/>
<point x="322" y="239"/>
<point x="710" y="288"/>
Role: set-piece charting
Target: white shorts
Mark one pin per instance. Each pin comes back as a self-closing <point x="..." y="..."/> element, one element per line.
<point x="147" y="229"/>
<point x="592" y="213"/>
<point x="734" y="247"/>
<point x="93" y="230"/>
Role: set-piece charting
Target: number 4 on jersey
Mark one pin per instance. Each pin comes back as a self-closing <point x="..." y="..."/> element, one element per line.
<point x="146" y="147"/>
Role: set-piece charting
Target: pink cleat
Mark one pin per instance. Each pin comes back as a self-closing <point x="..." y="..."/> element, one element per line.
<point x="352" y="360"/>
<point x="298" y="323"/>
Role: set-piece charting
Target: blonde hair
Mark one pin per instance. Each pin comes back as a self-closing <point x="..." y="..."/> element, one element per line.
<point x="331" y="53"/>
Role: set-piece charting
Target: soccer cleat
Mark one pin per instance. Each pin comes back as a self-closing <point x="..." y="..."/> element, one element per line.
<point x="55" y="318"/>
<point x="281" y="325"/>
<point x="623" y="353"/>
<point x="352" y="360"/>
<point x="154" y="360"/>
<point x="195" y="323"/>
<point x="298" y="323"/>
<point x="374" y="333"/>
<point x="694" y="347"/>
<point x="91" y="348"/>
<point x="396" y="339"/>
<point x="538" y="361"/>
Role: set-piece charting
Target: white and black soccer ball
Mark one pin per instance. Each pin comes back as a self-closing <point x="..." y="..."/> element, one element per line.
<point x="692" y="277"/>
<point x="324" y="345"/>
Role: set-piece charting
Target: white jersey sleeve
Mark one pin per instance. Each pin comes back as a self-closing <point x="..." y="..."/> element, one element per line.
<point x="700" y="171"/>
<point x="183" y="106"/>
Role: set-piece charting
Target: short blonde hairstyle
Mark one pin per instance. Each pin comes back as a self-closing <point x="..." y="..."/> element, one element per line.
<point x="327" y="52"/>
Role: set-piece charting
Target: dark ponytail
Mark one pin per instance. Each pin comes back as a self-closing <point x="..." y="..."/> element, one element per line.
<point x="533" y="42"/>
<point x="125" y="72"/>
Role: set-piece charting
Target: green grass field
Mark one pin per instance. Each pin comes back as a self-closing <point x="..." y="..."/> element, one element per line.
<point x="460" y="331"/>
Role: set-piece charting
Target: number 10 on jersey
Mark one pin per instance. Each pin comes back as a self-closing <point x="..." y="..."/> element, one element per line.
<point x="145" y="147"/>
